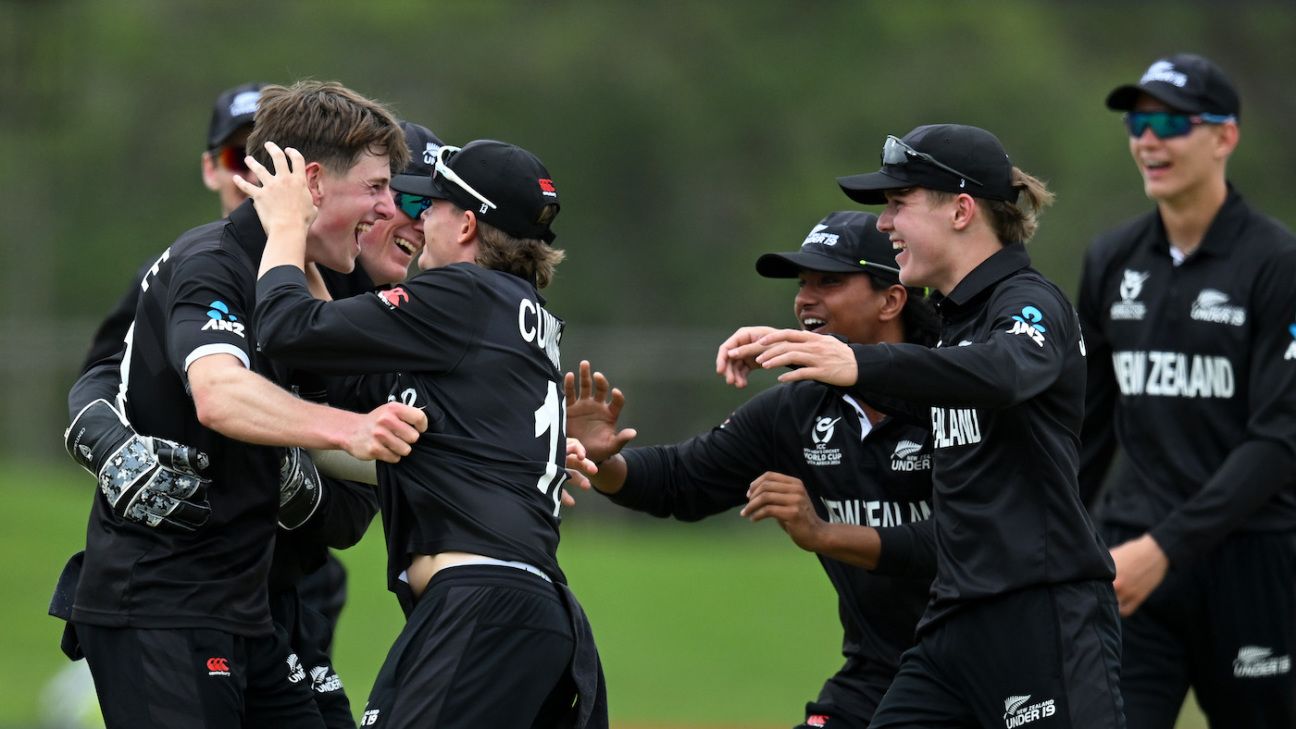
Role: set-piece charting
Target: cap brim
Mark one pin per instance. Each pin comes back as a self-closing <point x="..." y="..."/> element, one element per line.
<point x="412" y="184"/>
<point x="1123" y="98"/>
<point x="869" y="187"/>
<point x="789" y="265"/>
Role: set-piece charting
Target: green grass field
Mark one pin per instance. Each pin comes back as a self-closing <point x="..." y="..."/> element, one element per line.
<point x="717" y="625"/>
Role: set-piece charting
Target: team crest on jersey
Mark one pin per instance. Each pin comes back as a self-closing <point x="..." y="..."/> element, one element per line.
<point x="1213" y="306"/>
<point x="908" y="456"/>
<point x="219" y="319"/>
<point x="820" y="433"/>
<point x="1020" y="710"/>
<point x="1129" y="308"/>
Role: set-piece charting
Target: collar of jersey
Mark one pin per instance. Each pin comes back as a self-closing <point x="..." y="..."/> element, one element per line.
<point x="1220" y="235"/>
<point x="247" y="229"/>
<point x="1008" y="260"/>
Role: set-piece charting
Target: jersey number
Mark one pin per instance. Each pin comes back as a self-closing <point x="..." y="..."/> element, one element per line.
<point x="551" y="418"/>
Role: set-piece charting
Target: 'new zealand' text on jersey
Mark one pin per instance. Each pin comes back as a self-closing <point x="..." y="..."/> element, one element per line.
<point x="196" y="300"/>
<point x="1005" y="394"/>
<point x="1196" y="366"/>
<point x="809" y="431"/>
<point x="477" y="350"/>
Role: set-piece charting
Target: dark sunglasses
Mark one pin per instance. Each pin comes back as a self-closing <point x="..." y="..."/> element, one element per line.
<point x="896" y="152"/>
<point x="1169" y="124"/>
<point x="411" y="205"/>
<point x="231" y="158"/>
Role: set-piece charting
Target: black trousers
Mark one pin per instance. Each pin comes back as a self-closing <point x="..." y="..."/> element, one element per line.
<point x="485" y="646"/>
<point x="187" y="677"/>
<point x="1042" y="658"/>
<point x="309" y="635"/>
<point x="1225" y="625"/>
<point x="849" y="699"/>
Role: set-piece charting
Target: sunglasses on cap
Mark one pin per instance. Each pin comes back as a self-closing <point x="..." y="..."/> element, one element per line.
<point x="1169" y="124"/>
<point x="440" y="169"/>
<point x="231" y="157"/>
<point x="411" y="205"/>
<point x="896" y="152"/>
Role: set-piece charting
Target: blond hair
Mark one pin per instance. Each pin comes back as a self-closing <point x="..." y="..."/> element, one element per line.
<point x="1011" y="221"/>
<point x="529" y="258"/>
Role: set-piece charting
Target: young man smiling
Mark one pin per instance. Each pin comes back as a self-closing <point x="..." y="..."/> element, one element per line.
<point x="171" y="604"/>
<point x="1189" y="313"/>
<point x="1022" y="625"/>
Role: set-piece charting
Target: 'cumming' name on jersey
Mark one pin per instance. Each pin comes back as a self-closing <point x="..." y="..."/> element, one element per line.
<point x="540" y="328"/>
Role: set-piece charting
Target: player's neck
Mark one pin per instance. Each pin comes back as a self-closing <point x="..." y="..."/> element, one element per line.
<point x="1188" y="216"/>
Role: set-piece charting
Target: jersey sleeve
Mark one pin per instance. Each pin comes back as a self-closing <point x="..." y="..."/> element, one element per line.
<point x="1032" y="327"/>
<point x="1266" y="461"/>
<point x="208" y="310"/>
<point x="706" y="474"/>
<point x="1097" y="436"/>
<point x="908" y="550"/>
<point x="428" y="324"/>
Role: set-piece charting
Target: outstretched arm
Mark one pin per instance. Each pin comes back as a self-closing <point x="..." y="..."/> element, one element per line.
<point x="784" y="499"/>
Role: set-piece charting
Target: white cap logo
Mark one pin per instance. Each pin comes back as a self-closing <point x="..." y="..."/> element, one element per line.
<point x="429" y="154"/>
<point x="1164" y="71"/>
<point x="244" y="103"/>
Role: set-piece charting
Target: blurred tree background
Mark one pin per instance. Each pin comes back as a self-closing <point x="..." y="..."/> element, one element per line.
<point x="686" y="138"/>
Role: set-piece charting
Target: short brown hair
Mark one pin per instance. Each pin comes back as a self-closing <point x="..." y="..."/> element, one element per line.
<point x="529" y="258"/>
<point x="1011" y="221"/>
<point x="328" y="123"/>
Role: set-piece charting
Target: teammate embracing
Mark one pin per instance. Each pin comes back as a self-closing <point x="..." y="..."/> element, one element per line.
<point x="1189" y="311"/>
<point x="494" y="638"/>
<point x="1022" y="628"/>
<point x="841" y="478"/>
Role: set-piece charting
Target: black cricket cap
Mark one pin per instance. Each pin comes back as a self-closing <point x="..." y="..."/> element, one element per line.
<point x="233" y="110"/>
<point x="972" y="151"/>
<point x="423" y="147"/>
<point x="843" y="242"/>
<point x="1184" y="82"/>
<point x="525" y="197"/>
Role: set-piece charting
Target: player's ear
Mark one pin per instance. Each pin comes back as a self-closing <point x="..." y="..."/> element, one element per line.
<point x="467" y="226"/>
<point x="314" y="181"/>
<point x="209" y="172"/>
<point x="894" y="298"/>
<point x="963" y="210"/>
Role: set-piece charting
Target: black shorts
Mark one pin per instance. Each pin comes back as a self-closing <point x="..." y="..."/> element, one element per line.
<point x="324" y="591"/>
<point x="849" y="698"/>
<point x="485" y="646"/>
<point x="308" y="636"/>
<point x="1042" y="658"/>
<point x="190" y="677"/>
<point x="1223" y="624"/>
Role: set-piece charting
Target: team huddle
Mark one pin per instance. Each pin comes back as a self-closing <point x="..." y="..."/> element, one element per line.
<point x="940" y="438"/>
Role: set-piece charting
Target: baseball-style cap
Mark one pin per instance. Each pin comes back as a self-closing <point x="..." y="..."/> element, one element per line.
<point x="233" y="110"/>
<point x="843" y="242"/>
<point x="947" y="157"/>
<point x="1185" y="82"/>
<point x="423" y="147"/>
<point x="505" y="185"/>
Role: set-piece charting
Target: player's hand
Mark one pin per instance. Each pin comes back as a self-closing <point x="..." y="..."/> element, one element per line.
<point x="151" y="481"/>
<point x="283" y="200"/>
<point x="386" y="432"/>
<point x="300" y="488"/>
<point x="814" y="356"/>
<point x="1141" y="565"/>
<point x="592" y="411"/>
<point x="784" y="498"/>
<point x="735" y="368"/>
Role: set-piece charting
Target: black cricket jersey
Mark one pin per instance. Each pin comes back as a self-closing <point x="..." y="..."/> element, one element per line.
<point x="881" y="479"/>
<point x="1005" y="393"/>
<point x="477" y="350"/>
<point x="110" y="337"/>
<point x="1193" y="374"/>
<point x="196" y="300"/>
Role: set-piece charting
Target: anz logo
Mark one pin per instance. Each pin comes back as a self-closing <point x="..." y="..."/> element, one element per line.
<point x="1291" y="348"/>
<point x="1029" y="322"/>
<point x="219" y="319"/>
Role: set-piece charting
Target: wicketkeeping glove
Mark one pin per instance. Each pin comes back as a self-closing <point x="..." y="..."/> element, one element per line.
<point x="300" y="488"/>
<point x="152" y="481"/>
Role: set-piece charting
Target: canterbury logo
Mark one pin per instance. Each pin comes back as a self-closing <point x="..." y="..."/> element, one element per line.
<point x="218" y="666"/>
